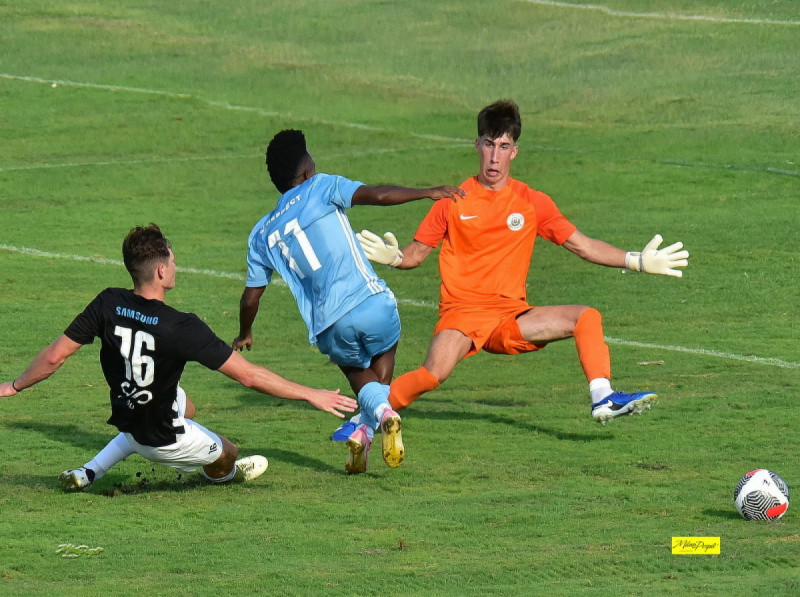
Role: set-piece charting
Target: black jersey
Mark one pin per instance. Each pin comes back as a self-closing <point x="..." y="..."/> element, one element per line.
<point x="145" y="347"/>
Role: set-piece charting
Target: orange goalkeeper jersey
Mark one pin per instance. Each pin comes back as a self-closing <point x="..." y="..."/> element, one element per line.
<point x="487" y="241"/>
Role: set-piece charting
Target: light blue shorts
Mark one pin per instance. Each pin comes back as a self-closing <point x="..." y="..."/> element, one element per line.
<point x="370" y="329"/>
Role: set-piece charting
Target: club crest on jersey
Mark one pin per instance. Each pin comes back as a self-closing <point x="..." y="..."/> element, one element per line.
<point x="515" y="221"/>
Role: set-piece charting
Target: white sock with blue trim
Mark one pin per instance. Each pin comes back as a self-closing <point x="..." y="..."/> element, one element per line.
<point x="600" y="388"/>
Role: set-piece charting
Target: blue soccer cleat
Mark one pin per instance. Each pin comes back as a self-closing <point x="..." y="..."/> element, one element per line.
<point x="346" y="429"/>
<point x="617" y="404"/>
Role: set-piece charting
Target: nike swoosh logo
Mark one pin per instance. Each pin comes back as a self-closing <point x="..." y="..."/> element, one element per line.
<point x="463" y="217"/>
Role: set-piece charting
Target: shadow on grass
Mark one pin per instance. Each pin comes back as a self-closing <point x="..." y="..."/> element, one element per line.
<point x="116" y="484"/>
<point x="512" y="422"/>
<point x="67" y="434"/>
<point x="717" y="513"/>
<point x="250" y="399"/>
<point x="301" y="460"/>
<point x="149" y="477"/>
<point x="158" y="478"/>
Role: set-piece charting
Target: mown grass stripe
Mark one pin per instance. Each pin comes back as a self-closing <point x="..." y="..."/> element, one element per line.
<point x="663" y="16"/>
<point x="415" y="303"/>
<point x="451" y="141"/>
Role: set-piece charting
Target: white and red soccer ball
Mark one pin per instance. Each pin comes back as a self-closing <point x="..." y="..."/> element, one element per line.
<point x="761" y="495"/>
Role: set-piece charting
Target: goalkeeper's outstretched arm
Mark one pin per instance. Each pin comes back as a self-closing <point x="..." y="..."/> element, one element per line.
<point x="387" y="251"/>
<point x="653" y="260"/>
<point x="650" y="260"/>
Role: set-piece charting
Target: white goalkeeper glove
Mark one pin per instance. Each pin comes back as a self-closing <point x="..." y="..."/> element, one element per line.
<point x="379" y="250"/>
<point x="653" y="260"/>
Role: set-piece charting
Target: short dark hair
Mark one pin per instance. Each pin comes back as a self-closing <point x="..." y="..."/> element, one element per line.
<point x="500" y="118"/>
<point x="285" y="155"/>
<point x="144" y="249"/>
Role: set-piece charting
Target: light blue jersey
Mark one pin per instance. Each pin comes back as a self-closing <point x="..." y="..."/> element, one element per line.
<point x="308" y="240"/>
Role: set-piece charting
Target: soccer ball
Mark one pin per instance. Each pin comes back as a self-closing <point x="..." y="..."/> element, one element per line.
<point x="761" y="495"/>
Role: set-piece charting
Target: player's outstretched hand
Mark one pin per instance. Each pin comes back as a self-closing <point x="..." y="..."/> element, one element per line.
<point x="240" y="342"/>
<point x="653" y="260"/>
<point x="379" y="250"/>
<point x="446" y="191"/>
<point x="332" y="402"/>
<point x="7" y="389"/>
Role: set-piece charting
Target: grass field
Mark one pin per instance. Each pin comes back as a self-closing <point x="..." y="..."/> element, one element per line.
<point x="678" y="117"/>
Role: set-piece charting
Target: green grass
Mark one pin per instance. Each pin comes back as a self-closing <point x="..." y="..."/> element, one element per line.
<point x="119" y="113"/>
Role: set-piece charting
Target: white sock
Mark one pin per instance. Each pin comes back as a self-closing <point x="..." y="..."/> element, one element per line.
<point x="380" y="410"/>
<point x="599" y="388"/>
<point x="116" y="450"/>
<point x="383" y="407"/>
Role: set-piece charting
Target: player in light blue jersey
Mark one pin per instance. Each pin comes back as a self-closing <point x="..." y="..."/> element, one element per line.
<point x="350" y="313"/>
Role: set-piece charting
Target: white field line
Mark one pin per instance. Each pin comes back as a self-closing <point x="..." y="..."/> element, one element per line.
<point x="414" y="303"/>
<point x="208" y="158"/>
<point x="450" y="142"/>
<point x="165" y="160"/>
<point x="382" y="151"/>
<point x="224" y="105"/>
<point x="106" y="261"/>
<point x="663" y="16"/>
<point x="710" y="353"/>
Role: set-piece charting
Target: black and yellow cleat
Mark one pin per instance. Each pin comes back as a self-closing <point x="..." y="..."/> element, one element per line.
<point x="393" y="450"/>
<point x="358" y="445"/>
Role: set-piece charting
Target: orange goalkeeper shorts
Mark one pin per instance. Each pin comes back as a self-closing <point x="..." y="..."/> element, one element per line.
<point x="494" y="330"/>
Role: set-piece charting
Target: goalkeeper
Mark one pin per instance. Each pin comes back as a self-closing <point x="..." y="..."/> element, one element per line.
<point x="487" y="243"/>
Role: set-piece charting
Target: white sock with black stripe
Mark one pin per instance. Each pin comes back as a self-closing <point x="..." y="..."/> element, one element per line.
<point x="116" y="450"/>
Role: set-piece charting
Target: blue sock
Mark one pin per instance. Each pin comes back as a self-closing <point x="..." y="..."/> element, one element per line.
<point x="371" y="398"/>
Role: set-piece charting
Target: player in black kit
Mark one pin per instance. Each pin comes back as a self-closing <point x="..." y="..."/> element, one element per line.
<point x="145" y="346"/>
